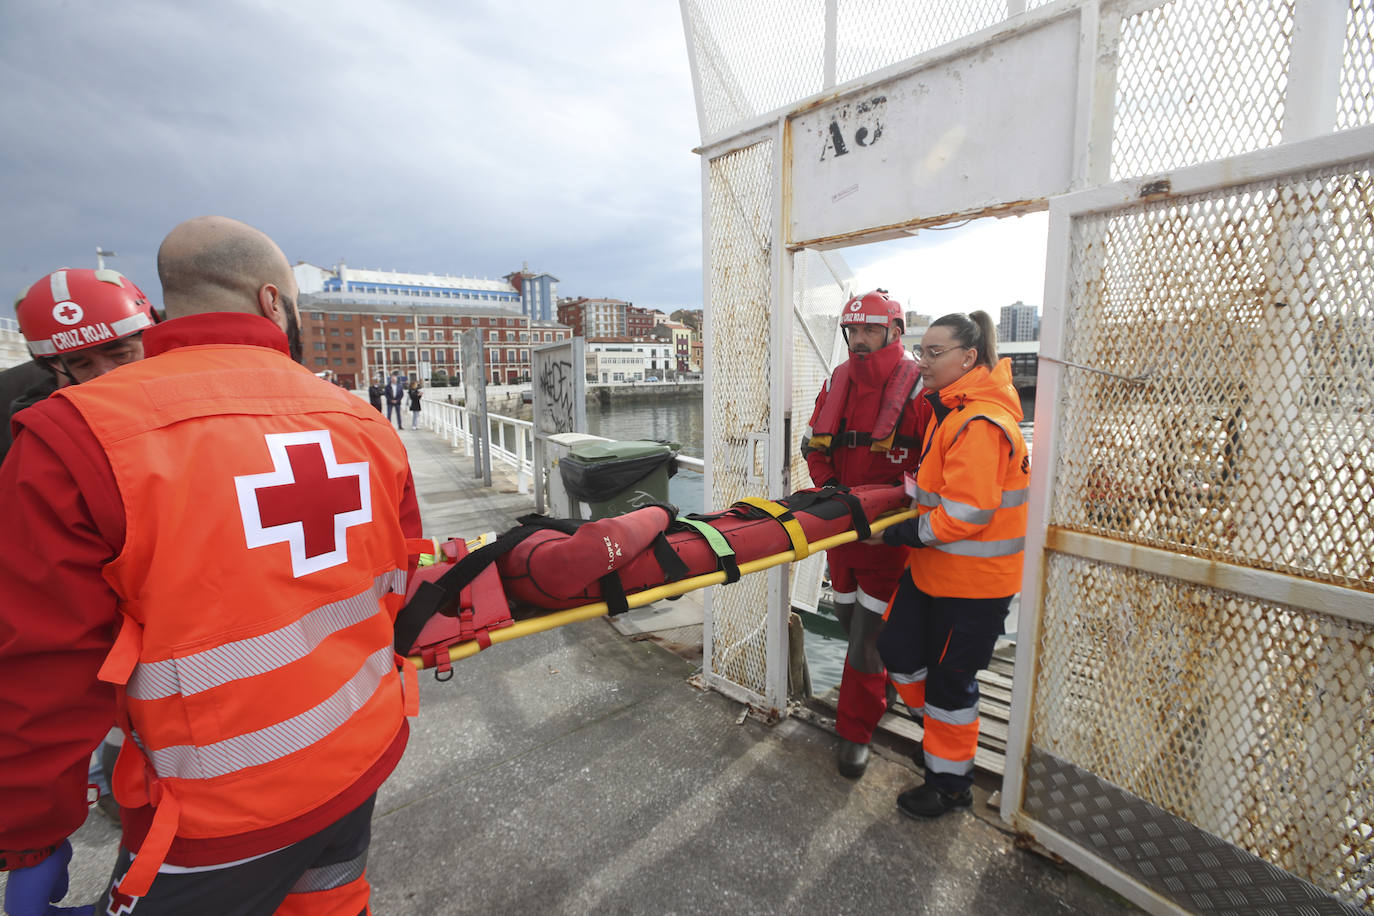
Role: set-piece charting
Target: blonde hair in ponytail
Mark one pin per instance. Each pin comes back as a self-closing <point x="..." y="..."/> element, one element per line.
<point x="973" y="331"/>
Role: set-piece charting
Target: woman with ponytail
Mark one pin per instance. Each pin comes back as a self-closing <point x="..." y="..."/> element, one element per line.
<point x="966" y="553"/>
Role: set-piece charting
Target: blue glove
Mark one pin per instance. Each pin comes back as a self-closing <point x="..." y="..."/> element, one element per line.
<point x="30" y="891"/>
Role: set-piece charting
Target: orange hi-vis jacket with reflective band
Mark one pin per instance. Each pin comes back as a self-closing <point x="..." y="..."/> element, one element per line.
<point x="262" y="570"/>
<point x="971" y="490"/>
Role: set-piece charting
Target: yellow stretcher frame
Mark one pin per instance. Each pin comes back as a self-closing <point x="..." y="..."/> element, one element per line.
<point x="556" y="619"/>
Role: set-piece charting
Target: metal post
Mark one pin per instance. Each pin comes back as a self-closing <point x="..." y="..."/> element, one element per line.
<point x="777" y="478"/>
<point x="1314" y="69"/>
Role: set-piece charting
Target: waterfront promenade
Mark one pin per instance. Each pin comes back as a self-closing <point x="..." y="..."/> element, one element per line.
<point x="577" y="771"/>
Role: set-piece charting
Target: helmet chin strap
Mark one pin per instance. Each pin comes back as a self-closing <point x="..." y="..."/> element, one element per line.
<point x="61" y="368"/>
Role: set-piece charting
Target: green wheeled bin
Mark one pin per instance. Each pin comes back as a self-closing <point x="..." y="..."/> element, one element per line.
<point x="614" y="477"/>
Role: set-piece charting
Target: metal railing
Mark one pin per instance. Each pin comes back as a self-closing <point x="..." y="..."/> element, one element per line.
<point x="512" y="440"/>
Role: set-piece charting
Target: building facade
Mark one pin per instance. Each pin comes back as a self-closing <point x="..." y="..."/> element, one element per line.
<point x="595" y="318"/>
<point x="361" y="341"/>
<point x="622" y="359"/>
<point x="361" y="324"/>
<point x="538" y="293"/>
<point x="1019" y="322"/>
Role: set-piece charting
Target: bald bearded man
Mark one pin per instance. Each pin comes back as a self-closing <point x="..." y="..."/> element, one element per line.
<point x="233" y="539"/>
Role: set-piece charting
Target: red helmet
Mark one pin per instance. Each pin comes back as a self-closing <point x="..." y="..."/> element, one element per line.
<point x="72" y="309"/>
<point x="874" y="307"/>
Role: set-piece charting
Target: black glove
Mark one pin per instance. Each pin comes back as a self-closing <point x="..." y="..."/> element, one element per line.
<point x="907" y="533"/>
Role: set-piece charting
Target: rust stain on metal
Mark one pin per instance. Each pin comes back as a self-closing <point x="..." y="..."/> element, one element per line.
<point x="1151" y="190"/>
<point x="1009" y="208"/>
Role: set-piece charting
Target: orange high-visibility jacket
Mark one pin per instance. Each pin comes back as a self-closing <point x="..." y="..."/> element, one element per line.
<point x="971" y="490"/>
<point x="262" y="570"/>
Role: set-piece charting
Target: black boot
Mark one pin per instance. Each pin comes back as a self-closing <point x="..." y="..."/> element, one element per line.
<point x="852" y="758"/>
<point x="926" y="801"/>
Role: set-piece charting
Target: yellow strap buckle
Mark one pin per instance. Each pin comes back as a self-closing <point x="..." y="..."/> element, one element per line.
<point x="800" y="548"/>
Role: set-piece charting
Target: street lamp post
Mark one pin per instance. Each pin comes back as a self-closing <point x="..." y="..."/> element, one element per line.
<point x="100" y="255"/>
<point x="381" y="327"/>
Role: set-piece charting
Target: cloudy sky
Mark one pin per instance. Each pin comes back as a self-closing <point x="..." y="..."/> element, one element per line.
<point x="455" y="137"/>
<point x="461" y="137"/>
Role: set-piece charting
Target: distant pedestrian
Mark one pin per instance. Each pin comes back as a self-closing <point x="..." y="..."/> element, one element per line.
<point x="414" y="393"/>
<point x="374" y="393"/>
<point x="395" y="390"/>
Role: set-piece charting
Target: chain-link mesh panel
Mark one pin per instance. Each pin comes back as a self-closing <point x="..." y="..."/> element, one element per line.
<point x="1199" y="80"/>
<point x="1248" y="314"/>
<point x="819" y="288"/>
<point x="741" y="229"/>
<point x="1356" y="105"/>
<point x="1253" y="721"/>
<point x="871" y="34"/>
<point x="754" y="57"/>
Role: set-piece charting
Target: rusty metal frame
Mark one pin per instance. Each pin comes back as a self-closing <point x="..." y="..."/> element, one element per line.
<point x="1275" y="162"/>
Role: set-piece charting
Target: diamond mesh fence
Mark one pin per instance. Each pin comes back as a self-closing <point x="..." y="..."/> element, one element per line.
<point x="1175" y="106"/>
<point x="741" y="230"/>
<point x="820" y="285"/>
<point x="1356" y="104"/>
<point x="1236" y="426"/>
<point x="871" y="35"/>
<point x="1253" y="721"/>
<point x="753" y="58"/>
<point x="1230" y="418"/>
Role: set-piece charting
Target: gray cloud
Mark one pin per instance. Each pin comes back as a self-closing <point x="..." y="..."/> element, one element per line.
<point x="453" y="137"/>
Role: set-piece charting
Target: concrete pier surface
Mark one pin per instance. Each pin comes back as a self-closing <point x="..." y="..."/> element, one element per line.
<point x="578" y="771"/>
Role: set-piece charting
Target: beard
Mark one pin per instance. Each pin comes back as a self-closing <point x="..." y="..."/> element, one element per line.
<point x="293" y="331"/>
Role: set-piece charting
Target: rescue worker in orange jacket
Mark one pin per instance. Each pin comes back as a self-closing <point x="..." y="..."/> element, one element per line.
<point x="232" y="540"/>
<point x="967" y="546"/>
<point x="866" y="429"/>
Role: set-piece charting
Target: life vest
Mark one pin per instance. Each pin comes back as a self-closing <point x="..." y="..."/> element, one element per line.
<point x="897" y="392"/>
<point x="262" y="569"/>
<point x="988" y="562"/>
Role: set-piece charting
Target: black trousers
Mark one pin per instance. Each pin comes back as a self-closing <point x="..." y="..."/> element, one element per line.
<point x="934" y="648"/>
<point x="330" y="858"/>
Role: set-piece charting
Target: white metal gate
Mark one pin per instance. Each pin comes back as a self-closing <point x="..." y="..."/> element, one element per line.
<point x="1193" y="717"/>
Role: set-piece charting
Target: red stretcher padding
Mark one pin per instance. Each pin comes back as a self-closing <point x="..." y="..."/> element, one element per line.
<point x="553" y="570"/>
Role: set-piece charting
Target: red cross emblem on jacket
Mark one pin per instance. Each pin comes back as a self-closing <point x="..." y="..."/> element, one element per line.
<point x="307" y="501"/>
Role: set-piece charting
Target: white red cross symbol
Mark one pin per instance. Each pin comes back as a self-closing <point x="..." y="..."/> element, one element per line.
<point x="307" y="501"/>
<point x="120" y="904"/>
<point x="67" y="312"/>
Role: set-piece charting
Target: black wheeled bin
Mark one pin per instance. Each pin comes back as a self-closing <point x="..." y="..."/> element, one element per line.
<point x="614" y="477"/>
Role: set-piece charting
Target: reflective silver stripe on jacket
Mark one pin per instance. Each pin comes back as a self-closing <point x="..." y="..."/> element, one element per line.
<point x="259" y="654"/>
<point x="899" y="678"/>
<point x="328" y="877"/>
<point x="1006" y="548"/>
<point x="187" y="761"/>
<point x="966" y="513"/>
<point x="963" y="512"/>
<point x="1013" y="498"/>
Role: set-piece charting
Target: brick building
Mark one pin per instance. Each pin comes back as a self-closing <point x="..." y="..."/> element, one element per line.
<point x="362" y="340"/>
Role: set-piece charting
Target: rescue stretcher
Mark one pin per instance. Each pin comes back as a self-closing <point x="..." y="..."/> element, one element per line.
<point x="546" y="572"/>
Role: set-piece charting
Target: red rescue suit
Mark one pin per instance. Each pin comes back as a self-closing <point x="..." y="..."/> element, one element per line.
<point x="866" y="428"/>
